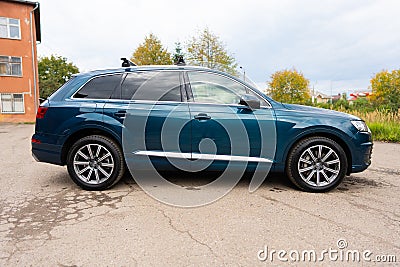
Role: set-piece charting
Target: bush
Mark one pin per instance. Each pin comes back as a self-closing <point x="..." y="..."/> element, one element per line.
<point x="383" y="121"/>
<point x="389" y="132"/>
<point x="341" y="103"/>
<point x="384" y="125"/>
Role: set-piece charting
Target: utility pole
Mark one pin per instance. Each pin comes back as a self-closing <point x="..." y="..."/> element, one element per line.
<point x="313" y="93"/>
<point x="244" y="73"/>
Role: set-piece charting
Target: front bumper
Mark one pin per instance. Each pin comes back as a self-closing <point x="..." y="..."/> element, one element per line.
<point x="362" y="153"/>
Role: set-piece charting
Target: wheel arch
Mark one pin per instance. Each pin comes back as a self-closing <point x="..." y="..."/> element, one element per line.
<point x="72" y="138"/>
<point x="331" y="135"/>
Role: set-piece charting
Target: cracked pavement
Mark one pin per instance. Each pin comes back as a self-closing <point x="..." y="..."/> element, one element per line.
<point x="46" y="220"/>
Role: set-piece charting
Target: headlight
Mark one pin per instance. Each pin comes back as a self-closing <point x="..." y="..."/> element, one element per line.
<point x="360" y="125"/>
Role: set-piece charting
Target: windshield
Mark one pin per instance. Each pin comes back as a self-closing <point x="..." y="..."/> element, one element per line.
<point x="246" y="79"/>
<point x="253" y="84"/>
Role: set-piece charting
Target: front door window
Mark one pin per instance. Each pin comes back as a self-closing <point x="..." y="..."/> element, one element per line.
<point x="216" y="89"/>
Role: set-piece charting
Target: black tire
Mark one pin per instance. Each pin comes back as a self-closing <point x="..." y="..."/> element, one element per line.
<point x="99" y="175"/>
<point x="301" y="165"/>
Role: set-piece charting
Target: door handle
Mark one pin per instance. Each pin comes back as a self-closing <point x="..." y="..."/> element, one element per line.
<point x="202" y="116"/>
<point x="120" y="113"/>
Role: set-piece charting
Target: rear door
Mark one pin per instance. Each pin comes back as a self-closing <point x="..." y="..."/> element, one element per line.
<point x="91" y="98"/>
<point x="153" y="115"/>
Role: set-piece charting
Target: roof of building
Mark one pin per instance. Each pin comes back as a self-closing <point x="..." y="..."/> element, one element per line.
<point x="36" y="16"/>
<point x="319" y="94"/>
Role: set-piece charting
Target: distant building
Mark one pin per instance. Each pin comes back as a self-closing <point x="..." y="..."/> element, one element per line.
<point x="358" y="95"/>
<point x="337" y="97"/>
<point x="319" y="97"/>
<point x="19" y="83"/>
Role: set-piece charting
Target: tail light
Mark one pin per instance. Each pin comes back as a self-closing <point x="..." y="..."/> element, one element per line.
<point x="41" y="112"/>
<point x="36" y="141"/>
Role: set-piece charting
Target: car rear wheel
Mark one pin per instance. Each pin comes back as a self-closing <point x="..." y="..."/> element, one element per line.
<point x="95" y="162"/>
<point x="317" y="164"/>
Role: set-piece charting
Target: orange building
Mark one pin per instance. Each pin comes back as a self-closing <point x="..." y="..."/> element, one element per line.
<point x="19" y="82"/>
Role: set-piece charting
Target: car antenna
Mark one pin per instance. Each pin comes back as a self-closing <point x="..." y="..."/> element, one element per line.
<point x="180" y="61"/>
<point x="127" y="63"/>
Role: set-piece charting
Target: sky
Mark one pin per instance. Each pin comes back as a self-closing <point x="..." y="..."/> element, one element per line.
<point x="337" y="44"/>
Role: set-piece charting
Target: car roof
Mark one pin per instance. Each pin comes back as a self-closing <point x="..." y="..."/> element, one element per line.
<point x="144" y="68"/>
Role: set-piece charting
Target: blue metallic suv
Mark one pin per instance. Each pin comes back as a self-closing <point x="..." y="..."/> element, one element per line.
<point x="192" y="114"/>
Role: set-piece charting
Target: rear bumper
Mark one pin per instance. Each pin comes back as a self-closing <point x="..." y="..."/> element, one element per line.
<point x="44" y="152"/>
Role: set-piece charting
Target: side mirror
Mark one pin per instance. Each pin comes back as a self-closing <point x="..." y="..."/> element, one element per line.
<point x="41" y="100"/>
<point x="250" y="101"/>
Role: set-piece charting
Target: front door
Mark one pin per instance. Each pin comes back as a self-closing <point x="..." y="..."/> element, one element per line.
<point x="222" y="129"/>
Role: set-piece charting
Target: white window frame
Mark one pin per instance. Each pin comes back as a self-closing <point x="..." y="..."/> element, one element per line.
<point x="9" y="66"/>
<point x="13" y="101"/>
<point x="8" y="24"/>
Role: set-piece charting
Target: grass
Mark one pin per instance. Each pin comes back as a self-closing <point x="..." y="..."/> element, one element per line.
<point x="385" y="126"/>
<point x="389" y="132"/>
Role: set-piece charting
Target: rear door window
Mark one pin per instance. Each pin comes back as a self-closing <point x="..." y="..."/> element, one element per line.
<point x="152" y="86"/>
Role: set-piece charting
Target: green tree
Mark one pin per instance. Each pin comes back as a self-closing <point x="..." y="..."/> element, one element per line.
<point x="54" y="71"/>
<point x="289" y="86"/>
<point x="178" y="52"/>
<point x="207" y="50"/>
<point x="386" y="90"/>
<point x="151" y="52"/>
<point x="362" y="104"/>
<point x="341" y="103"/>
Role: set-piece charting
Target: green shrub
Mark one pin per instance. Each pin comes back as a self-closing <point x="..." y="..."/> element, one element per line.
<point x="389" y="132"/>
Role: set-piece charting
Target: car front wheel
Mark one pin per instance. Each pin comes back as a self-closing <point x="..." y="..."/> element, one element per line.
<point x="95" y="162"/>
<point x="317" y="164"/>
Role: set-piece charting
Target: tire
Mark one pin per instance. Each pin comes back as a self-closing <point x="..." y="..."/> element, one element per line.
<point x="95" y="162"/>
<point x="316" y="164"/>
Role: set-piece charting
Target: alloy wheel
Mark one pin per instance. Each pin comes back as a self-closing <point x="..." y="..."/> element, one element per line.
<point x="319" y="165"/>
<point x="93" y="163"/>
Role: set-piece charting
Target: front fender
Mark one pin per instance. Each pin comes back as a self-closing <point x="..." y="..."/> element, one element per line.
<point x="291" y="129"/>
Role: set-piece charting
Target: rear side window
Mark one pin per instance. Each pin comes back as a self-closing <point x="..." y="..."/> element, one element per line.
<point x="152" y="86"/>
<point x="100" y="87"/>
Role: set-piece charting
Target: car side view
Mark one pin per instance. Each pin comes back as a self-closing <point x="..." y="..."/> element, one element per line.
<point x="82" y="125"/>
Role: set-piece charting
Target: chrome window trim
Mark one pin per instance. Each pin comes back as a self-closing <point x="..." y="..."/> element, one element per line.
<point x="159" y="102"/>
<point x="230" y="105"/>
<point x="154" y="102"/>
<point x="109" y="99"/>
<point x="124" y="100"/>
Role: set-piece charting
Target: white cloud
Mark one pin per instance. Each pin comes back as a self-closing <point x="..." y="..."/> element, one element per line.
<point x="343" y="41"/>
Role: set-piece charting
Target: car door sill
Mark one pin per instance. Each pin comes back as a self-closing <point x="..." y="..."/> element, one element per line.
<point x="196" y="156"/>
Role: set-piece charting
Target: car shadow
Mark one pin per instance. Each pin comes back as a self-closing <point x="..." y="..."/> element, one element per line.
<point x="273" y="182"/>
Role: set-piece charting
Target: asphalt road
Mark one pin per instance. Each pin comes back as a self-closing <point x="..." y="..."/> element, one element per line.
<point x="46" y="220"/>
